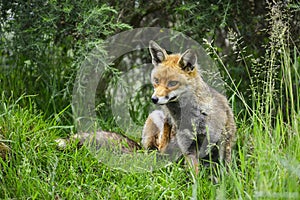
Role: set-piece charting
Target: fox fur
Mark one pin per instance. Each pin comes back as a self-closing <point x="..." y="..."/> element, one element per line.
<point x="194" y="117"/>
<point x="102" y="139"/>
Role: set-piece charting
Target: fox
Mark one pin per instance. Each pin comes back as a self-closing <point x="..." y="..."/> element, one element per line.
<point x="193" y="117"/>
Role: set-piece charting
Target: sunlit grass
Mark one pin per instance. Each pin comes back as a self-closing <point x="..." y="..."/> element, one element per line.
<point x="265" y="163"/>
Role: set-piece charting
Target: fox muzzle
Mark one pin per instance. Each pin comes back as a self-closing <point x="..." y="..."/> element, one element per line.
<point x="154" y="99"/>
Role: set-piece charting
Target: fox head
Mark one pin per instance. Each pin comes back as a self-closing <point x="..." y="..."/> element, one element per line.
<point x="172" y="74"/>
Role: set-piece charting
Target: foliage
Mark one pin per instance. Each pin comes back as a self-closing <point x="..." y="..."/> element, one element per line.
<point x="42" y="43"/>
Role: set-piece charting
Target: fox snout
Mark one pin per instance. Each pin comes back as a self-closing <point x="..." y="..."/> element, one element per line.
<point x="163" y="100"/>
<point x="159" y="100"/>
<point x="154" y="99"/>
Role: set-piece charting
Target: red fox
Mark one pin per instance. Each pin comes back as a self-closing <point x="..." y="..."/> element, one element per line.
<point x="194" y="116"/>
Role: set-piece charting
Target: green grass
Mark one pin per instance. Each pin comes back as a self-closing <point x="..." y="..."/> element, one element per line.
<point x="265" y="165"/>
<point x="37" y="169"/>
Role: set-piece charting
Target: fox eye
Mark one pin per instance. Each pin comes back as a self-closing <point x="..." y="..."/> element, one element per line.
<point x="156" y="81"/>
<point x="172" y="83"/>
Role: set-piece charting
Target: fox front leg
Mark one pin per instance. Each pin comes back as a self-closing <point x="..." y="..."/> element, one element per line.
<point x="152" y="130"/>
<point x="187" y="142"/>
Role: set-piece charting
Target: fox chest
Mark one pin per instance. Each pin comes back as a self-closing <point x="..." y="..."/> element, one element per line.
<point x="189" y="117"/>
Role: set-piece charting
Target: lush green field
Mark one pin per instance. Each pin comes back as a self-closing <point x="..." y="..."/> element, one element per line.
<point x="265" y="164"/>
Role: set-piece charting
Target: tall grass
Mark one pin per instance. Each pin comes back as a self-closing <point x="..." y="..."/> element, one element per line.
<point x="267" y="158"/>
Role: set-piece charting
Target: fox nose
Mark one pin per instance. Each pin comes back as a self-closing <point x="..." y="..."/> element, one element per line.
<point x="154" y="99"/>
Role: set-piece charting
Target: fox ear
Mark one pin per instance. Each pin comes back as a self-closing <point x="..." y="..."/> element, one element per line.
<point x="188" y="60"/>
<point x="158" y="54"/>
